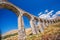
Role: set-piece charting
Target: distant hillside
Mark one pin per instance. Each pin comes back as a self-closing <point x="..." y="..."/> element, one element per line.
<point x="10" y="32"/>
<point x="15" y="32"/>
<point x="52" y="30"/>
<point x="28" y="31"/>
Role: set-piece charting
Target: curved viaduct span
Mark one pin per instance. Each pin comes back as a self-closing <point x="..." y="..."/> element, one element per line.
<point x="42" y="23"/>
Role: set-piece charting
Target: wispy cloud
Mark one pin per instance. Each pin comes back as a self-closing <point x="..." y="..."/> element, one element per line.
<point x="46" y="10"/>
<point x="39" y="13"/>
<point x="56" y="14"/>
<point x="47" y="14"/>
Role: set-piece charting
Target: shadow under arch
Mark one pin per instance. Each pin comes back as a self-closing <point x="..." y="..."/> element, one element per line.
<point x="27" y="15"/>
<point x="27" y="18"/>
<point x="10" y="6"/>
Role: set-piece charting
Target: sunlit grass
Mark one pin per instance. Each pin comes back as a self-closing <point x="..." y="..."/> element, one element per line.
<point x="49" y="33"/>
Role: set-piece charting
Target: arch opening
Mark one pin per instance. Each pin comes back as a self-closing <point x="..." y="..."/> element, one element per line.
<point x="26" y="19"/>
<point x="8" y="21"/>
<point x="27" y="15"/>
<point x="9" y="6"/>
<point x="15" y="11"/>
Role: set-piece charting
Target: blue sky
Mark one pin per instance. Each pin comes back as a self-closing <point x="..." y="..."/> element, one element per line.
<point x="8" y="19"/>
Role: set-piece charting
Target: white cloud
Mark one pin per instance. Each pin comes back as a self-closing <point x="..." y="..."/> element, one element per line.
<point x="40" y="13"/>
<point x="56" y="14"/>
<point x="46" y="11"/>
<point x="47" y="14"/>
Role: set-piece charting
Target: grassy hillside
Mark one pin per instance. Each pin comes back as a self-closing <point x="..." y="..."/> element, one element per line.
<point x="50" y="33"/>
<point x="13" y="35"/>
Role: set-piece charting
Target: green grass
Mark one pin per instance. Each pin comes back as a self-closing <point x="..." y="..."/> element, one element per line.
<point x="9" y="35"/>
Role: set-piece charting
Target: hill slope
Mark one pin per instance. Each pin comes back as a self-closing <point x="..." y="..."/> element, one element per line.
<point x="50" y="33"/>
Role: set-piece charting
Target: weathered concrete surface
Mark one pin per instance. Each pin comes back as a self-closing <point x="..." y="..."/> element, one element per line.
<point x="34" y="29"/>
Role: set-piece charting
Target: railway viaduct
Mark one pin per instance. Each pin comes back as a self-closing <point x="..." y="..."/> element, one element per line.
<point x="42" y="23"/>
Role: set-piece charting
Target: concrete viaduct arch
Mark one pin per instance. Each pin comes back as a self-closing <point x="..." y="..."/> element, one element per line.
<point x="20" y="13"/>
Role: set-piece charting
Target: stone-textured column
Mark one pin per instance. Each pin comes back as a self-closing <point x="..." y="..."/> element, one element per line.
<point x="52" y="21"/>
<point x="21" y="30"/>
<point x="47" y="23"/>
<point x="34" y="29"/>
<point x="36" y="26"/>
<point x="40" y="25"/>
<point x="55" y="20"/>
<point x="44" y="24"/>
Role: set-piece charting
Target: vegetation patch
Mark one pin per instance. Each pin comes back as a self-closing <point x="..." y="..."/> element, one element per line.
<point x="50" y="33"/>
